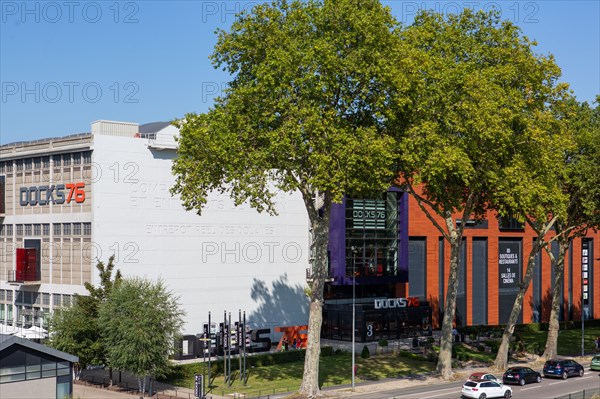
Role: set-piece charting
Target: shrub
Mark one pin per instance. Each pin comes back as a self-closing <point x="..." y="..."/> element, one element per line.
<point x="383" y="342"/>
<point x="326" y="351"/>
<point x="432" y="357"/>
<point x="365" y="354"/>
<point x="338" y="351"/>
<point x="495" y="345"/>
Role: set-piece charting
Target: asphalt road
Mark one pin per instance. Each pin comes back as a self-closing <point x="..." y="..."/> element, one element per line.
<point x="549" y="388"/>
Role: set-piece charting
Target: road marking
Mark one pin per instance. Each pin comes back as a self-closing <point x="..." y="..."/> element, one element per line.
<point x="535" y="387"/>
<point x="418" y="394"/>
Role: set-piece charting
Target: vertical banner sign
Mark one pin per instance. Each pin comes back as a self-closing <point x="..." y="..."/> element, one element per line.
<point x="508" y="265"/>
<point x="585" y="250"/>
<point x="199" y="386"/>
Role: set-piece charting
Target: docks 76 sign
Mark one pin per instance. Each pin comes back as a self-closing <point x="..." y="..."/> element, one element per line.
<point x="54" y="194"/>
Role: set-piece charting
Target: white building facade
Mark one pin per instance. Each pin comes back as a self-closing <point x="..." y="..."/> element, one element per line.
<point x="72" y="201"/>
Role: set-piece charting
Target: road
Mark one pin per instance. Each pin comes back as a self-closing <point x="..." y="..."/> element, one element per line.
<point x="549" y="388"/>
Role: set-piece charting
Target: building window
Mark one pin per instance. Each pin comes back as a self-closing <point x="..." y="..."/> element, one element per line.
<point x="87" y="229"/>
<point x="9" y="296"/>
<point x="2" y="194"/>
<point x="46" y="162"/>
<point x="19" y="165"/>
<point x="46" y="229"/>
<point x="2" y="295"/>
<point x="87" y="157"/>
<point x="77" y="158"/>
<point x="28" y="230"/>
<point x="66" y="300"/>
<point x="76" y="229"/>
<point x="57" y="160"/>
<point x="2" y="167"/>
<point x="1" y="230"/>
<point x="19" y="230"/>
<point x="37" y="162"/>
<point x="9" y="230"/>
<point x="37" y="229"/>
<point x="509" y="223"/>
<point x="28" y="164"/>
<point x="46" y="299"/>
<point x="66" y="159"/>
<point x="66" y="229"/>
<point x="56" y="299"/>
<point x="372" y="231"/>
<point x="56" y="228"/>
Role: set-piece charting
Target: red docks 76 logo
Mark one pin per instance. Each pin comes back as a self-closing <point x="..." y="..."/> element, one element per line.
<point x="54" y="194"/>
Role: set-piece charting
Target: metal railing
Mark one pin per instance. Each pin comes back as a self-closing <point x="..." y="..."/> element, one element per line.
<point x="593" y="393"/>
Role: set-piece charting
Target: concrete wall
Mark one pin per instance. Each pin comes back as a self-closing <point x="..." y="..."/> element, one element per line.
<point x="229" y="258"/>
<point x="44" y="388"/>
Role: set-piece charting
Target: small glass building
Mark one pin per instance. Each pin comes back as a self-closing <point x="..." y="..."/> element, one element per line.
<point x="32" y="370"/>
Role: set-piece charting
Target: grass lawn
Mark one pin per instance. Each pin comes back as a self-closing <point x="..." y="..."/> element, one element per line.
<point x="569" y="341"/>
<point x="286" y="377"/>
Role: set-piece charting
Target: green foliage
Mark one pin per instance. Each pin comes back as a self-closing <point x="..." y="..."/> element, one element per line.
<point x="303" y="112"/>
<point x="365" y="354"/>
<point x="76" y="329"/>
<point x="409" y="355"/>
<point x="326" y="351"/>
<point x="382" y="342"/>
<point x="139" y="323"/>
<point x="493" y="344"/>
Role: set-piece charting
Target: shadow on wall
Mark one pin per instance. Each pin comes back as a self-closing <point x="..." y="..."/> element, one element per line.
<point x="280" y="305"/>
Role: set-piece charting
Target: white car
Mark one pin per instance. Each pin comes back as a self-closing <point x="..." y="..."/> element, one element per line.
<point x="482" y="389"/>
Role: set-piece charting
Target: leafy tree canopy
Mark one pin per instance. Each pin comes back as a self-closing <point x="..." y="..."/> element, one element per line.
<point x="139" y="323"/>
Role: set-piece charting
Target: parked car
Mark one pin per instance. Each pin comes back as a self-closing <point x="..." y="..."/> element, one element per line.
<point x="482" y="389"/>
<point x="483" y="376"/>
<point x="521" y="376"/>
<point x="562" y="368"/>
<point x="595" y="365"/>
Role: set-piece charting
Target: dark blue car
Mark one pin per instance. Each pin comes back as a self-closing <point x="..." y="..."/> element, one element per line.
<point x="562" y="368"/>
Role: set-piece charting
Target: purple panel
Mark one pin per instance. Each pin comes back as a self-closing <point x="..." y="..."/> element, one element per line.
<point x="403" y="237"/>
<point x="337" y="241"/>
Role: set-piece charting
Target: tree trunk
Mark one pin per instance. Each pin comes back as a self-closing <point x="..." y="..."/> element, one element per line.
<point x="501" y="361"/>
<point x="444" y="364"/>
<point x="310" y="378"/>
<point x="559" y="267"/>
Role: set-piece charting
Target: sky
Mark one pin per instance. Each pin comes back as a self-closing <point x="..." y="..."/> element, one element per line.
<point x="65" y="64"/>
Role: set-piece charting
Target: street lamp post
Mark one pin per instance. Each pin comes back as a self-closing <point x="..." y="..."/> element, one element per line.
<point x="353" y="313"/>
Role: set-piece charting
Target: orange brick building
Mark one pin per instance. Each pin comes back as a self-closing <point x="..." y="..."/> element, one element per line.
<point x="483" y="298"/>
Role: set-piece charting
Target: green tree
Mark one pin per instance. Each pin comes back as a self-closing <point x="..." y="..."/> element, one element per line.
<point x="303" y="113"/>
<point x="139" y="322"/>
<point x="532" y="191"/>
<point x="475" y="90"/>
<point x="76" y="330"/>
<point x="582" y="186"/>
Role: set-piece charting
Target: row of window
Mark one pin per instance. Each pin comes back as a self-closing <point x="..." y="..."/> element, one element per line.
<point x="36" y="298"/>
<point x="76" y="158"/>
<point x="20" y="366"/>
<point x="43" y="229"/>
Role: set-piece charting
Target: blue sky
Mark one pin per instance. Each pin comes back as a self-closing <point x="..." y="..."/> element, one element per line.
<point x="64" y="64"/>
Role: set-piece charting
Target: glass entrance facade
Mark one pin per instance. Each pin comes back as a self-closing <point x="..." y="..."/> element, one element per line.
<point x="374" y="324"/>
